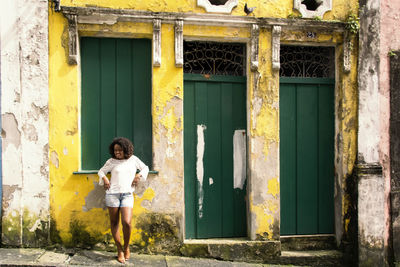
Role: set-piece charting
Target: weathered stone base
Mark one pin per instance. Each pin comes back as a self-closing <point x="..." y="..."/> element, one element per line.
<point x="371" y="215"/>
<point x="308" y="242"/>
<point x="232" y="250"/>
<point x="311" y="258"/>
<point x="371" y="257"/>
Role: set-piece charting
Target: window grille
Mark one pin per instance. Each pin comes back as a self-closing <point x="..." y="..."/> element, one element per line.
<point x="214" y="58"/>
<point x="307" y="61"/>
<point x="218" y="2"/>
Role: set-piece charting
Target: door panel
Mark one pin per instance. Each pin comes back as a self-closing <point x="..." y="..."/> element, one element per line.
<point x="213" y="110"/>
<point x="116" y="97"/>
<point x="306" y="155"/>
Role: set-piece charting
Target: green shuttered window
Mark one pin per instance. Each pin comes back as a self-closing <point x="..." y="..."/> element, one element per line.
<point x="116" y="97"/>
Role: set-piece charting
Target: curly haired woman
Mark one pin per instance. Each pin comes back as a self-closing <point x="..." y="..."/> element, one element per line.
<point x="123" y="166"/>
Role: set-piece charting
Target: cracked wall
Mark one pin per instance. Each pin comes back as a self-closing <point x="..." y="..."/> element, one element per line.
<point x="76" y="205"/>
<point x="378" y="38"/>
<point x="24" y="111"/>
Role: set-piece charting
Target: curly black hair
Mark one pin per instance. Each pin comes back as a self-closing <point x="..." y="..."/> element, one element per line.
<point x="126" y="145"/>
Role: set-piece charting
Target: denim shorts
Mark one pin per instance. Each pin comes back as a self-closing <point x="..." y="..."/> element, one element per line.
<point x="119" y="200"/>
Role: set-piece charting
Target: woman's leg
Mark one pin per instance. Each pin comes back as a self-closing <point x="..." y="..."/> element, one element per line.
<point x="126" y="218"/>
<point x="114" y="221"/>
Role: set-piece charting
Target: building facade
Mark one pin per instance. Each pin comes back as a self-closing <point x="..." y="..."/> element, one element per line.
<point x="249" y="115"/>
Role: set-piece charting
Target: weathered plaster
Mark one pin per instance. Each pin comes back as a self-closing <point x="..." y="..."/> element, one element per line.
<point x="389" y="41"/>
<point x="376" y="33"/>
<point x="24" y="76"/>
<point x="272" y="8"/>
<point x="159" y="201"/>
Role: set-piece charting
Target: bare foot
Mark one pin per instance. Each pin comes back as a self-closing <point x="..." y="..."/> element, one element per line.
<point x="121" y="257"/>
<point x="127" y="253"/>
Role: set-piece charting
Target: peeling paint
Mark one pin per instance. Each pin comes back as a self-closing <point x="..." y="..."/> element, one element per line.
<point x="95" y="198"/>
<point x="10" y="132"/>
<point x="30" y="132"/>
<point x="163" y="193"/>
<point x="8" y="191"/>
<point x="273" y="187"/>
<point x="200" y="166"/>
<point x="239" y="159"/>
<point x="54" y="159"/>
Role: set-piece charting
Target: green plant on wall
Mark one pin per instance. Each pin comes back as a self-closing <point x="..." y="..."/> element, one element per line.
<point x="391" y="53"/>
<point x="353" y="23"/>
<point x="294" y="16"/>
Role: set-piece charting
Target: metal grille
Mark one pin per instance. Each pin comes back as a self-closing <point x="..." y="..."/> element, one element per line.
<point x="214" y="58"/>
<point x="307" y="61"/>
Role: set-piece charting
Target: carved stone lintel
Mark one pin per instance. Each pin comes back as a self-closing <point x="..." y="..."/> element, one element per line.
<point x="325" y="6"/>
<point x="72" y="39"/>
<point x="157" y="43"/>
<point x="179" y="43"/>
<point x="276" y="47"/>
<point x="255" y="33"/>
<point x="346" y="53"/>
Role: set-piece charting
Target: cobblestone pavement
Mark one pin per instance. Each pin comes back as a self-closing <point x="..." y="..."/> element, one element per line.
<point x="40" y="257"/>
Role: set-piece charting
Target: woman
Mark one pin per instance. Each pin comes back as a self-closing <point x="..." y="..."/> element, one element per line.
<point x="123" y="166"/>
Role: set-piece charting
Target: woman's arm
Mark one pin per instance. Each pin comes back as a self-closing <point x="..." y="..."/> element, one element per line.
<point x="143" y="171"/>
<point x="103" y="180"/>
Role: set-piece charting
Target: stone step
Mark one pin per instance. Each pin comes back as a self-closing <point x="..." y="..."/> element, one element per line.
<point x="311" y="258"/>
<point x="308" y="242"/>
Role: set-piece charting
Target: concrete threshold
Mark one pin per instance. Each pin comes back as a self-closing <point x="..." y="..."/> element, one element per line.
<point x="232" y="249"/>
<point x="312" y="258"/>
<point x="308" y="242"/>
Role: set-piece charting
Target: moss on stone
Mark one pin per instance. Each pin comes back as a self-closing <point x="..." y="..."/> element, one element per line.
<point x="35" y="230"/>
<point x="81" y="237"/>
<point x="11" y="233"/>
<point x="159" y="233"/>
<point x="55" y="237"/>
<point x="195" y="250"/>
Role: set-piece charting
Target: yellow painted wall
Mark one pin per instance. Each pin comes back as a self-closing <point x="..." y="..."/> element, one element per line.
<point x="69" y="191"/>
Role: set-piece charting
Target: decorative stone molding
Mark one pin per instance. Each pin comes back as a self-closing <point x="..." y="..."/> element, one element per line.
<point x="255" y="32"/>
<point x="72" y="39"/>
<point x="179" y="43"/>
<point x="324" y="6"/>
<point x="276" y="46"/>
<point x="226" y="8"/>
<point x="346" y="53"/>
<point x="97" y="15"/>
<point x="157" y="43"/>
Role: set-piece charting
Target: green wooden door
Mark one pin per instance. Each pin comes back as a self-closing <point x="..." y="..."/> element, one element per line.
<point x="116" y="97"/>
<point x="215" y="156"/>
<point x="307" y="155"/>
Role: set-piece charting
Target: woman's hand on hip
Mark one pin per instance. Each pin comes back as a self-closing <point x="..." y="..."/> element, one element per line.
<point x="136" y="180"/>
<point x="106" y="184"/>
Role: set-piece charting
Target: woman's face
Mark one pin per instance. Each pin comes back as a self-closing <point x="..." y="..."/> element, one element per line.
<point x="118" y="152"/>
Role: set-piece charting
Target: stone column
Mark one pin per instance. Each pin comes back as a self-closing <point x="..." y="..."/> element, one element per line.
<point x="371" y="195"/>
<point x="25" y="123"/>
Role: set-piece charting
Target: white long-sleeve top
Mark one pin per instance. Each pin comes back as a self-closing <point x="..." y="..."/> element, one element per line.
<point x="123" y="172"/>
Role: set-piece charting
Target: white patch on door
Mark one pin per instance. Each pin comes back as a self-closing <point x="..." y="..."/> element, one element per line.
<point x="210" y="181"/>
<point x="239" y="159"/>
<point x="199" y="165"/>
